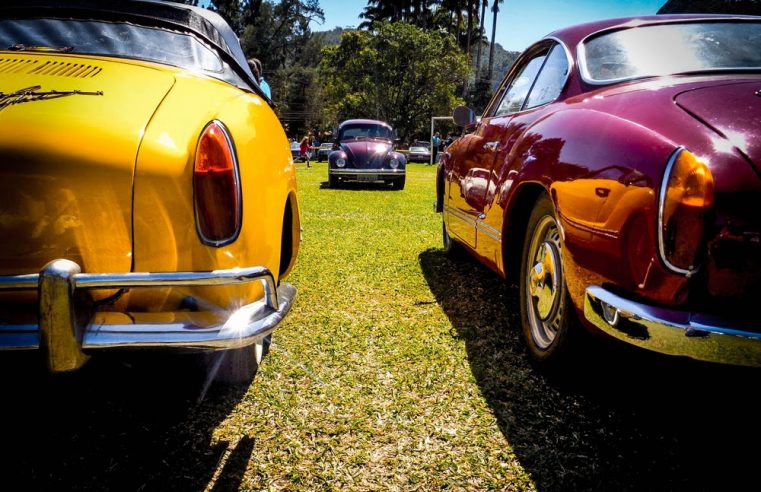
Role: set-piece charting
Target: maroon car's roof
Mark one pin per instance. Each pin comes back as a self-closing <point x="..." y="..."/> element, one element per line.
<point x="573" y="35"/>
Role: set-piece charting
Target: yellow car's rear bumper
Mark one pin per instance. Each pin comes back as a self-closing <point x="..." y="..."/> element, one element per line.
<point x="65" y="342"/>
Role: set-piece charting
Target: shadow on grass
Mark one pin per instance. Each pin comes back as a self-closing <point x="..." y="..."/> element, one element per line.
<point x="617" y="419"/>
<point x="117" y="424"/>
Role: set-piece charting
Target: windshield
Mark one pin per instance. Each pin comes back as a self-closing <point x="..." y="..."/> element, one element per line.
<point x="418" y="149"/>
<point x="672" y="49"/>
<point x="109" y="39"/>
<point x="365" y="130"/>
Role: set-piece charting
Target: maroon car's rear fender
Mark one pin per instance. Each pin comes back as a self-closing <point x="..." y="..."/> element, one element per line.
<point x="603" y="174"/>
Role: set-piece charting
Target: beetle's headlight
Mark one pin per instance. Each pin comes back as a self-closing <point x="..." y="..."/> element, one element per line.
<point x="340" y="162"/>
<point x="394" y="163"/>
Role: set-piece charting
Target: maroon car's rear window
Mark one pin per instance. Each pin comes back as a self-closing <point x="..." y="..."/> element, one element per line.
<point x="669" y="49"/>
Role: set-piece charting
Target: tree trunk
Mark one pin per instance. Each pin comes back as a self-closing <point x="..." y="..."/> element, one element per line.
<point x="494" y="9"/>
<point x="470" y="28"/>
<point x="481" y="32"/>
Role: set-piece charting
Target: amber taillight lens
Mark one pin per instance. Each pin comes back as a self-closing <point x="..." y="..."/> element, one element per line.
<point x="216" y="187"/>
<point x="686" y="198"/>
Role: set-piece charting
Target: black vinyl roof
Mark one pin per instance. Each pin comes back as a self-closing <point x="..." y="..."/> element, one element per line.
<point x="205" y="24"/>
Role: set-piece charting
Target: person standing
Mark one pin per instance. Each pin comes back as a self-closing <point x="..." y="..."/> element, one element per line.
<point x="435" y="142"/>
<point x="256" y="68"/>
<point x="305" y="148"/>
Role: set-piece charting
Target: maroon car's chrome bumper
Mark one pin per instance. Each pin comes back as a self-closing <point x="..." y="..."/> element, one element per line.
<point x="65" y="343"/>
<point x="670" y="331"/>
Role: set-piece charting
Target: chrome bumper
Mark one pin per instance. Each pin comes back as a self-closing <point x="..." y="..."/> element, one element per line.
<point x="671" y="332"/>
<point x="355" y="173"/>
<point x="64" y="342"/>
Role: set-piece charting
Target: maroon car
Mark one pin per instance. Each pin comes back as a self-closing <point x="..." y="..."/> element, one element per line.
<point x="364" y="152"/>
<point x="616" y="175"/>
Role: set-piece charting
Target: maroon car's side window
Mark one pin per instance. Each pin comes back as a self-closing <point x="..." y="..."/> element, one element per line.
<point x="551" y="79"/>
<point x="519" y="86"/>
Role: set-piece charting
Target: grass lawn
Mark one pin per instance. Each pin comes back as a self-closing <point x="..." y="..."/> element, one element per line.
<point x="398" y="369"/>
<point x="368" y="385"/>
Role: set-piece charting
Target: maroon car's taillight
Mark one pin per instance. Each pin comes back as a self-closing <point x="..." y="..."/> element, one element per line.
<point x="686" y="197"/>
<point x="216" y="187"/>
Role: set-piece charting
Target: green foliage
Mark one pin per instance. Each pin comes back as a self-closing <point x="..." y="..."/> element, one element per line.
<point x="396" y="72"/>
<point x="278" y="32"/>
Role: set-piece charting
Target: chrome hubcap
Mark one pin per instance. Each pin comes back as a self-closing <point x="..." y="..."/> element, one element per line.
<point x="544" y="282"/>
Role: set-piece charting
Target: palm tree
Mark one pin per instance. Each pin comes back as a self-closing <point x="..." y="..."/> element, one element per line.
<point x="470" y="26"/>
<point x="481" y="32"/>
<point x="495" y="10"/>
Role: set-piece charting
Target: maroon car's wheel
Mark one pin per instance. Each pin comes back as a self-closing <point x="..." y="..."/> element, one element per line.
<point x="398" y="183"/>
<point x="333" y="181"/>
<point x="546" y="311"/>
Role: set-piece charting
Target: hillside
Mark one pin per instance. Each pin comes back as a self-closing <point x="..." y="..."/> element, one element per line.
<point x="752" y="7"/>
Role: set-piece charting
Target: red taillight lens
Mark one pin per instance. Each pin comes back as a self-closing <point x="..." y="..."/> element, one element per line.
<point x="216" y="187"/>
<point x="686" y="197"/>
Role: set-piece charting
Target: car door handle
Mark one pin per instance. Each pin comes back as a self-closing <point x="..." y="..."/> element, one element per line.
<point x="481" y="216"/>
<point x="602" y="192"/>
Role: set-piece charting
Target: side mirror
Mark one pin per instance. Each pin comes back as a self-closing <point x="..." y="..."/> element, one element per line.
<point x="464" y="116"/>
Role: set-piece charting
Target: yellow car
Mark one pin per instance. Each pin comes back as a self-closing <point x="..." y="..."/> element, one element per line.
<point x="147" y="189"/>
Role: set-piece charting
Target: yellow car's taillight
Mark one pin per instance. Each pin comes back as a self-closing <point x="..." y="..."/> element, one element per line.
<point x="686" y="197"/>
<point x="216" y="187"/>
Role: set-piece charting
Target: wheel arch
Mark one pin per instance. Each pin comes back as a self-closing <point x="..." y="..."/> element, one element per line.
<point x="291" y="235"/>
<point x="514" y="226"/>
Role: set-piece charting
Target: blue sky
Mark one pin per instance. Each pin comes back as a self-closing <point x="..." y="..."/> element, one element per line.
<point x="520" y="22"/>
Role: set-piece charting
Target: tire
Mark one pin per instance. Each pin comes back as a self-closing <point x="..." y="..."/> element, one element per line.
<point x="238" y="366"/>
<point x="450" y="247"/>
<point x="548" y="319"/>
<point x="398" y="183"/>
<point x="333" y="181"/>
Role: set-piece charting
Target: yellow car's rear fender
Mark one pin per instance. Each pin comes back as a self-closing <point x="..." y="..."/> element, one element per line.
<point x="165" y="235"/>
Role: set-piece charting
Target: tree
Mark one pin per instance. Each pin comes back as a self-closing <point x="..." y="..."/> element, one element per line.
<point x="495" y="10"/>
<point x="481" y="33"/>
<point x="396" y="72"/>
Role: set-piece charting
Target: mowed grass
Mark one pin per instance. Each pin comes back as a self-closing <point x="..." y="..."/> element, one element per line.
<point x="367" y="385"/>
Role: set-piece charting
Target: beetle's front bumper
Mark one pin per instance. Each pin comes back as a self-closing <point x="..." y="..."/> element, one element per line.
<point x="670" y="331"/>
<point x="367" y="174"/>
<point x="65" y="342"/>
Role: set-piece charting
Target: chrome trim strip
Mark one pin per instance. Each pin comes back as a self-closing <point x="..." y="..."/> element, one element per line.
<point x="670" y="331"/>
<point x="62" y="340"/>
<point x="489" y="231"/>
<point x="592" y="230"/>
<point x="459" y="214"/>
<point x="661" y="205"/>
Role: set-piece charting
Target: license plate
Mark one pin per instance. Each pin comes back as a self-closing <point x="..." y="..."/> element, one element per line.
<point x="367" y="177"/>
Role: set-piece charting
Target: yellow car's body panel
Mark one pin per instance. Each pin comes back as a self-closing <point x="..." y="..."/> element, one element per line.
<point x="164" y="192"/>
<point x="68" y="163"/>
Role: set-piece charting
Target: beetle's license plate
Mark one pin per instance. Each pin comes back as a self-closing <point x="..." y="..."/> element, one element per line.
<point x="367" y="177"/>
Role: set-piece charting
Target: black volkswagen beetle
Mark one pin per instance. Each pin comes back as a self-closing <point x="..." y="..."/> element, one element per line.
<point x="364" y="152"/>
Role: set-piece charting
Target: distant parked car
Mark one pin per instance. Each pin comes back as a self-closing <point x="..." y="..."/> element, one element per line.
<point x="296" y="152"/>
<point x="365" y="154"/>
<point x="324" y="151"/>
<point x="418" y="153"/>
<point x="616" y="174"/>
